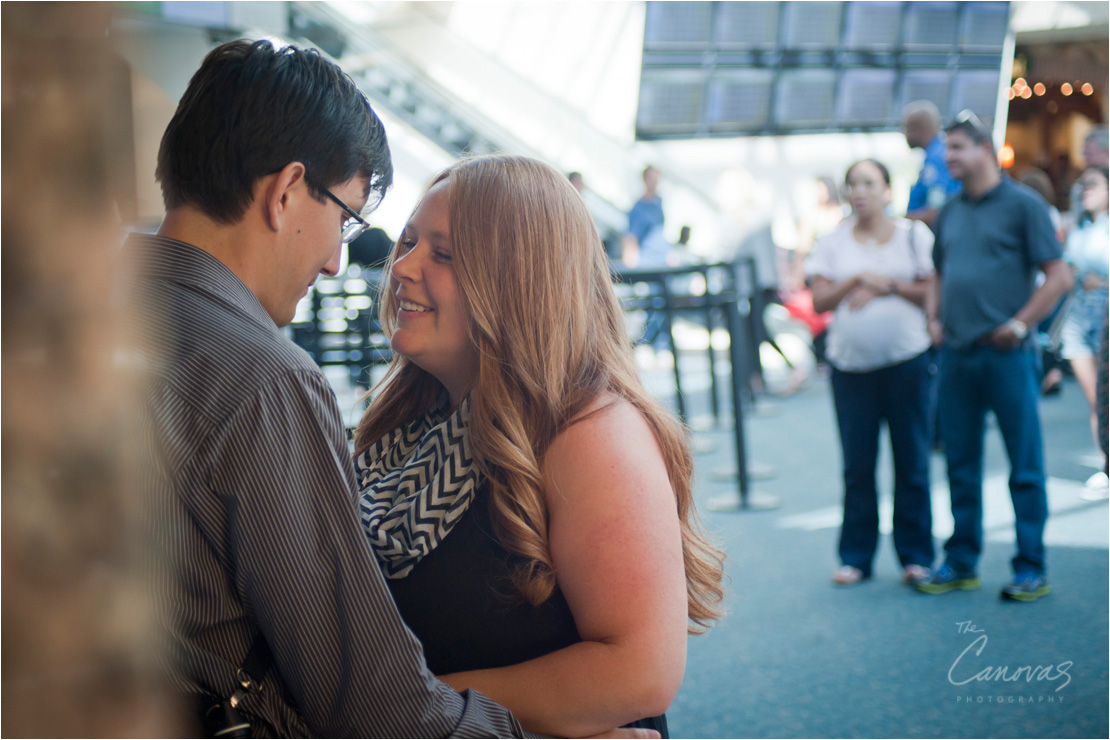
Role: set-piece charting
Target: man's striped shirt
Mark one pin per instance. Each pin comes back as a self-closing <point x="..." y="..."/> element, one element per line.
<point x="252" y="493"/>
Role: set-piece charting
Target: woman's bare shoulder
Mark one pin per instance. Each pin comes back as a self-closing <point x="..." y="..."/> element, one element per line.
<point x="610" y="416"/>
<point x="609" y="441"/>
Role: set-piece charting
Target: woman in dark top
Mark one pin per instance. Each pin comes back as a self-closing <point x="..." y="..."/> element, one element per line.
<point x="528" y="500"/>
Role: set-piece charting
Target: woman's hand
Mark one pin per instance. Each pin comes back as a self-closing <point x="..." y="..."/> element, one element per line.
<point x="827" y="295"/>
<point x="936" y="331"/>
<point x="861" y="296"/>
<point x="877" y="284"/>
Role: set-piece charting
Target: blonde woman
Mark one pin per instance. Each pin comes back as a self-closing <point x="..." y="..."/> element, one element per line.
<point x="528" y="501"/>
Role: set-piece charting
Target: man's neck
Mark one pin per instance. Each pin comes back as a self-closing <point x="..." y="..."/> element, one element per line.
<point x="982" y="183"/>
<point x="227" y="243"/>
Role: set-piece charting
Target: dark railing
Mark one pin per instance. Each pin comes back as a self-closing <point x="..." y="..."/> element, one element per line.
<point x="724" y="291"/>
<point x="338" y="325"/>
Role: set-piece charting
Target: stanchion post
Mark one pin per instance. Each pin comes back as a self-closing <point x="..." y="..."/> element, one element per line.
<point x="713" y="393"/>
<point x="738" y="340"/>
<point x="744" y="287"/>
<point x="668" y="318"/>
<point x="732" y="320"/>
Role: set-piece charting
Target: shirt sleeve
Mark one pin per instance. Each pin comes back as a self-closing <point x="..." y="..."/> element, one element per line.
<point x="1072" y="250"/>
<point x="305" y="572"/>
<point x="638" y="224"/>
<point x="821" y="260"/>
<point x="922" y="250"/>
<point x="1040" y="236"/>
<point x="918" y="192"/>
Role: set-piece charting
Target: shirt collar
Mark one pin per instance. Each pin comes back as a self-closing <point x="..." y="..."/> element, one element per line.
<point x="161" y="258"/>
<point x="1004" y="181"/>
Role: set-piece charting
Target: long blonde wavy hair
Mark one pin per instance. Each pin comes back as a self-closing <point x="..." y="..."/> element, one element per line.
<point x="536" y="285"/>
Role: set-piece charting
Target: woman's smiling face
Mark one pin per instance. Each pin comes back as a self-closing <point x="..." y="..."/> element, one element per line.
<point x="432" y="323"/>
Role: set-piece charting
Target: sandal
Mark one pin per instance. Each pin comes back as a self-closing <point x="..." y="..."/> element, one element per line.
<point x="848" y="575"/>
<point x="915" y="574"/>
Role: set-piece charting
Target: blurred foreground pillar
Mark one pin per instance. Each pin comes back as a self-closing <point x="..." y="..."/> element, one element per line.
<point x="79" y="653"/>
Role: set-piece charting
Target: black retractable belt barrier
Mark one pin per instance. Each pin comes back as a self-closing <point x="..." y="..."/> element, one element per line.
<point x="723" y="294"/>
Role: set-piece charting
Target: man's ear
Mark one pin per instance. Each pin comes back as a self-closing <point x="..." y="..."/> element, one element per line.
<point x="278" y="191"/>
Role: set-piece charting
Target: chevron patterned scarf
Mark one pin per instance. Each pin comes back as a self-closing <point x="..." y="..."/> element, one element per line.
<point x="416" y="482"/>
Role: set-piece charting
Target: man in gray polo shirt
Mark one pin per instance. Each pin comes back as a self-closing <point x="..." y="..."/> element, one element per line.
<point x="991" y="241"/>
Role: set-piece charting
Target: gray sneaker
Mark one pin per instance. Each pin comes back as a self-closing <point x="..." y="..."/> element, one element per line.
<point x="1026" y="587"/>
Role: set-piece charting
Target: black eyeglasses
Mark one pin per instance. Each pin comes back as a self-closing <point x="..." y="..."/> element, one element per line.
<point x="353" y="226"/>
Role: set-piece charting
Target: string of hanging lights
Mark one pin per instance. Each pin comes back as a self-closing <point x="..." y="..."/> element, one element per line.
<point x="1021" y="89"/>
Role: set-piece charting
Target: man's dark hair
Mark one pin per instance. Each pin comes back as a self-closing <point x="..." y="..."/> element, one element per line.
<point x="252" y="109"/>
<point x="971" y="125"/>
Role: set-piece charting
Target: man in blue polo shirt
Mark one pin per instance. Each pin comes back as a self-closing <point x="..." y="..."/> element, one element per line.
<point x="991" y="241"/>
<point x="935" y="185"/>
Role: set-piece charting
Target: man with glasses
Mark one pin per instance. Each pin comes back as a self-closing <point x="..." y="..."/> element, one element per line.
<point x="991" y="241"/>
<point x="271" y="597"/>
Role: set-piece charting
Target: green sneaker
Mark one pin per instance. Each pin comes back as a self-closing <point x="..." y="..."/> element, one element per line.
<point x="1026" y="587"/>
<point x="946" y="579"/>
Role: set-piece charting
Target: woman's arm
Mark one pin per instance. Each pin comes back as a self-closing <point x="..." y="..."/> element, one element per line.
<point x="932" y="311"/>
<point x="615" y="541"/>
<point x="827" y="295"/>
<point x="914" y="291"/>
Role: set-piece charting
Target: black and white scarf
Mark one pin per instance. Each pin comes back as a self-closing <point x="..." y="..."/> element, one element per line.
<point x="416" y="482"/>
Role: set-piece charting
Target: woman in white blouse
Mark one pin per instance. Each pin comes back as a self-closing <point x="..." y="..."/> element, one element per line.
<point x="874" y="271"/>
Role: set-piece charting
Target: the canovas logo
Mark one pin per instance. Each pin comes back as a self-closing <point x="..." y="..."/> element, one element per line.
<point x="969" y="667"/>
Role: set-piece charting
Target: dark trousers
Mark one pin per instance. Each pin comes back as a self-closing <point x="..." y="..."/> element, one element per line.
<point x="973" y="381"/>
<point x="902" y="396"/>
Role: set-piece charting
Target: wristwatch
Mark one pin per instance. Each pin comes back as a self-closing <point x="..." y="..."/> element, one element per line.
<point x="1018" y="327"/>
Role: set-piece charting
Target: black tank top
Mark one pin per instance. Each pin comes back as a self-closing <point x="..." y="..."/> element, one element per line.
<point x="460" y="602"/>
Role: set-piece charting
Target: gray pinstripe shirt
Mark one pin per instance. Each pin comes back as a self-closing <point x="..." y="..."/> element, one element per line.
<point x="253" y="505"/>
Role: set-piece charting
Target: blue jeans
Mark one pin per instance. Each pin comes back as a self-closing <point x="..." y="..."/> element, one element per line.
<point x="972" y="381"/>
<point x="902" y="396"/>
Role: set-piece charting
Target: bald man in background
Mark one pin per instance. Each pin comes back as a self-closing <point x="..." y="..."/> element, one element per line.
<point x="935" y="185"/>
